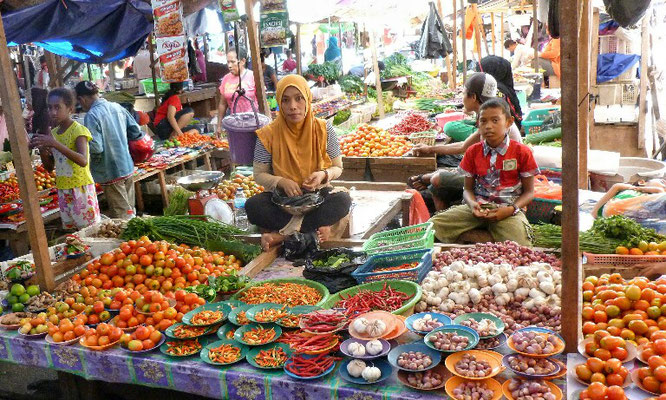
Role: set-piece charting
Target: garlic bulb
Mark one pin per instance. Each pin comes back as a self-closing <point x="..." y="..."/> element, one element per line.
<point x="374" y="347"/>
<point x="356" y="349"/>
<point x="360" y="325"/>
<point x="376" y="328"/>
<point x="355" y="368"/>
<point x="371" y="374"/>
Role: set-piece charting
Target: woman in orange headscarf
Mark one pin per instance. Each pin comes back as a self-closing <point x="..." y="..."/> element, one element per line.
<point x="296" y="152"/>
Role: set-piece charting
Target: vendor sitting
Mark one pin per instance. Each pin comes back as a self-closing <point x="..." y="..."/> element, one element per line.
<point x="623" y="197"/>
<point x="499" y="183"/>
<point x="296" y="152"/>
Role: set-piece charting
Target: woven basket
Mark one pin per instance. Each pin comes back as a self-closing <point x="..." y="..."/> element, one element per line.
<point x="427" y="138"/>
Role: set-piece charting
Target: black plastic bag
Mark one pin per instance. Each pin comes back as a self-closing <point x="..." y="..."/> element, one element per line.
<point x="554" y="18"/>
<point x="334" y="279"/>
<point x="300" y="246"/>
<point x="434" y="42"/>
<point x="626" y="12"/>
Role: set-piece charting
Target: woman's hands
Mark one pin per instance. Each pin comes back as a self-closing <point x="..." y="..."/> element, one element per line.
<point x="314" y="180"/>
<point x="289" y="187"/>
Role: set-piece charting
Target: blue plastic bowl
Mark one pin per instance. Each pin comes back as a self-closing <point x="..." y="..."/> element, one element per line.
<point x="435" y="355"/>
<point x="409" y="322"/>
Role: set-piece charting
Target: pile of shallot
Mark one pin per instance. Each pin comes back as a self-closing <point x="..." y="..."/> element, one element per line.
<point x="497" y="253"/>
<point x="473" y="390"/>
<point x="532" y="390"/>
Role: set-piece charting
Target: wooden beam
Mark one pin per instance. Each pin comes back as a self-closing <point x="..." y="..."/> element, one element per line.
<point x="18" y="140"/>
<point x="584" y="92"/>
<point x="594" y="52"/>
<point x="381" y="223"/>
<point x="299" y="61"/>
<point x="262" y="261"/>
<point x="642" y="94"/>
<point x="366" y="185"/>
<point x="535" y="33"/>
<point x="464" y="40"/>
<point x="455" y="46"/>
<point x="255" y="49"/>
<point x="478" y="35"/>
<point x="571" y="263"/>
<point x="153" y="73"/>
<point x="502" y="34"/>
<point x="53" y="68"/>
<point x="378" y="79"/>
<point x="492" y="31"/>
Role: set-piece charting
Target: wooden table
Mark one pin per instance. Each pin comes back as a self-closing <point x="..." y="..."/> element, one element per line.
<point x="161" y="177"/>
<point x="386" y="169"/>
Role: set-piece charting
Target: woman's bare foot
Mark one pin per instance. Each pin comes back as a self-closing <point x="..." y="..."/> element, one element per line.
<point x="270" y="240"/>
<point x="324" y="233"/>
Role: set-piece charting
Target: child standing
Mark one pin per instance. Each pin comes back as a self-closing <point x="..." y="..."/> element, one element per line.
<point x="499" y="183"/>
<point x="66" y="150"/>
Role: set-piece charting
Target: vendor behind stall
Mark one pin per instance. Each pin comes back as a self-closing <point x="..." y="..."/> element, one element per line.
<point x="500" y="69"/>
<point x="238" y="75"/>
<point x="171" y="117"/>
<point x="499" y="183"/>
<point x="295" y="153"/>
<point x="627" y="199"/>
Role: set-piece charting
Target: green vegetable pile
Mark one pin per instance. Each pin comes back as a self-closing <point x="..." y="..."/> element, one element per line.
<point x="341" y="117"/>
<point x="630" y="232"/>
<point x="178" y="202"/>
<point x="351" y="84"/>
<point x="329" y="71"/>
<point x="395" y="65"/>
<point x="604" y="237"/>
<point x="431" y="105"/>
<point x="332" y="262"/>
<point x="204" y="232"/>
<point x="204" y="291"/>
<point x="222" y="284"/>
<point x="550" y="236"/>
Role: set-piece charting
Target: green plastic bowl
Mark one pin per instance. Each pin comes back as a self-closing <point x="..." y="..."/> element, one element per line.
<point x="320" y="288"/>
<point x="252" y="354"/>
<point x="203" y="354"/>
<point x="411" y="288"/>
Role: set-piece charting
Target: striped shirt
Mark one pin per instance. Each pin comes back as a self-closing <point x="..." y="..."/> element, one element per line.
<point x="261" y="154"/>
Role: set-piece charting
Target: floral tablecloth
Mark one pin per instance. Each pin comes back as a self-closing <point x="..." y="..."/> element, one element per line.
<point x="191" y="375"/>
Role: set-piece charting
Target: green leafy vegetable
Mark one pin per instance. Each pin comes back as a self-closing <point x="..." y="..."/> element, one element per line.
<point x="341" y="117"/>
<point x="178" y="202"/>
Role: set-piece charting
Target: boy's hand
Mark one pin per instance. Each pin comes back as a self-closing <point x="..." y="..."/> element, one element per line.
<point x="478" y="211"/>
<point x="499" y="214"/>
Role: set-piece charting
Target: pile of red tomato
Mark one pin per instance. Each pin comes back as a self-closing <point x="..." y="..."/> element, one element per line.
<point x="369" y="141"/>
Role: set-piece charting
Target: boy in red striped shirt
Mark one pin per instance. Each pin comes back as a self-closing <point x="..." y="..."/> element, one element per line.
<point x="499" y="183"/>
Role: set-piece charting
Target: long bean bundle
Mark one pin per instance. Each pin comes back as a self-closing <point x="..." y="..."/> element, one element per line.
<point x="550" y="236"/>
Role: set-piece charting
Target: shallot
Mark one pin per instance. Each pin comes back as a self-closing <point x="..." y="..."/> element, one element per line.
<point x="449" y="341"/>
<point x="414" y="360"/>
<point x="425" y="380"/>
<point x="473" y="390"/>
<point x="530" y="390"/>
<point x="470" y="367"/>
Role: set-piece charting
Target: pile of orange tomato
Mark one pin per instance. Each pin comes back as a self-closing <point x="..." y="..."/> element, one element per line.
<point x="628" y="310"/>
<point x="369" y="141"/>
<point x="144" y="265"/>
<point x="192" y="138"/>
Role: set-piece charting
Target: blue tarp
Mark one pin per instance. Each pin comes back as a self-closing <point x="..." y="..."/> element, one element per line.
<point x="94" y="31"/>
<point x="612" y="65"/>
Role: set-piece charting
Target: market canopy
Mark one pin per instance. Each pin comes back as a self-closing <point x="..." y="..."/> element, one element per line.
<point x="84" y="30"/>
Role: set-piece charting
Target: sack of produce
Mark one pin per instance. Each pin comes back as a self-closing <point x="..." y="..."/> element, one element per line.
<point x="332" y="268"/>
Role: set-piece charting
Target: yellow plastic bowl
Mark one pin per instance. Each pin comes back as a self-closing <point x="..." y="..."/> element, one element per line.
<point x="456" y="381"/>
<point x="495" y="364"/>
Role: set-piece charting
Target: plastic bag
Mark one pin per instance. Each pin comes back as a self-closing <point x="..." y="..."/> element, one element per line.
<point x="300" y="246"/>
<point x="334" y="279"/>
<point x="626" y="12"/>
<point x="641" y="208"/>
<point x="545" y="189"/>
<point x="418" y="211"/>
<point x="141" y="149"/>
<point x="433" y="43"/>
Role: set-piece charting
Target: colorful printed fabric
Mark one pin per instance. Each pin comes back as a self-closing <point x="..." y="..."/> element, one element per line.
<point x="78" y="207"/>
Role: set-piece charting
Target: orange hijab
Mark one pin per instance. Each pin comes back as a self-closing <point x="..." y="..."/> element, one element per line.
<point x="297" y="150"/>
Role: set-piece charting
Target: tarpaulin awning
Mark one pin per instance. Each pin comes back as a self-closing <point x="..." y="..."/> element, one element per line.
<point x="93" y="31"/>
<point x="612" y="65"/>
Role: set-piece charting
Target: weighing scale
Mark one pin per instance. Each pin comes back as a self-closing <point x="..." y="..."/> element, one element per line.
<point x="205" y="201"/>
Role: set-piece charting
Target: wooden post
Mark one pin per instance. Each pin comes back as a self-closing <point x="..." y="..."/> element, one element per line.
<point x="492" y="31"/>
<point x="53" y="68"/>
<point x="642" y="94"/>
<point x="464" y="40"/>
<point x="153" y="74"/>
<point x="18" y="140"/>
<point x="477" y="34"/>
<point x="378" y="79"/>
<point x="594" y="52"/>
<point x="571" y="263"/>
<point x="112" y="77"/>
<point x="253" y="38"/>
<point x="502" y="34"/>
<point x="455" y="45"/>
<point x="299" y="66"/>
<point x="583" y="93"/>
<point x="535" y="33"/>
<point x="226" y="41"/>
<point x="447" y="59"/>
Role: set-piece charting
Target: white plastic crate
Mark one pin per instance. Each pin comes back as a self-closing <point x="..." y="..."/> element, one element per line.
<point x="616" y="114"/>
<point x="614" y="44"/>
<point x="625" y="93"/>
